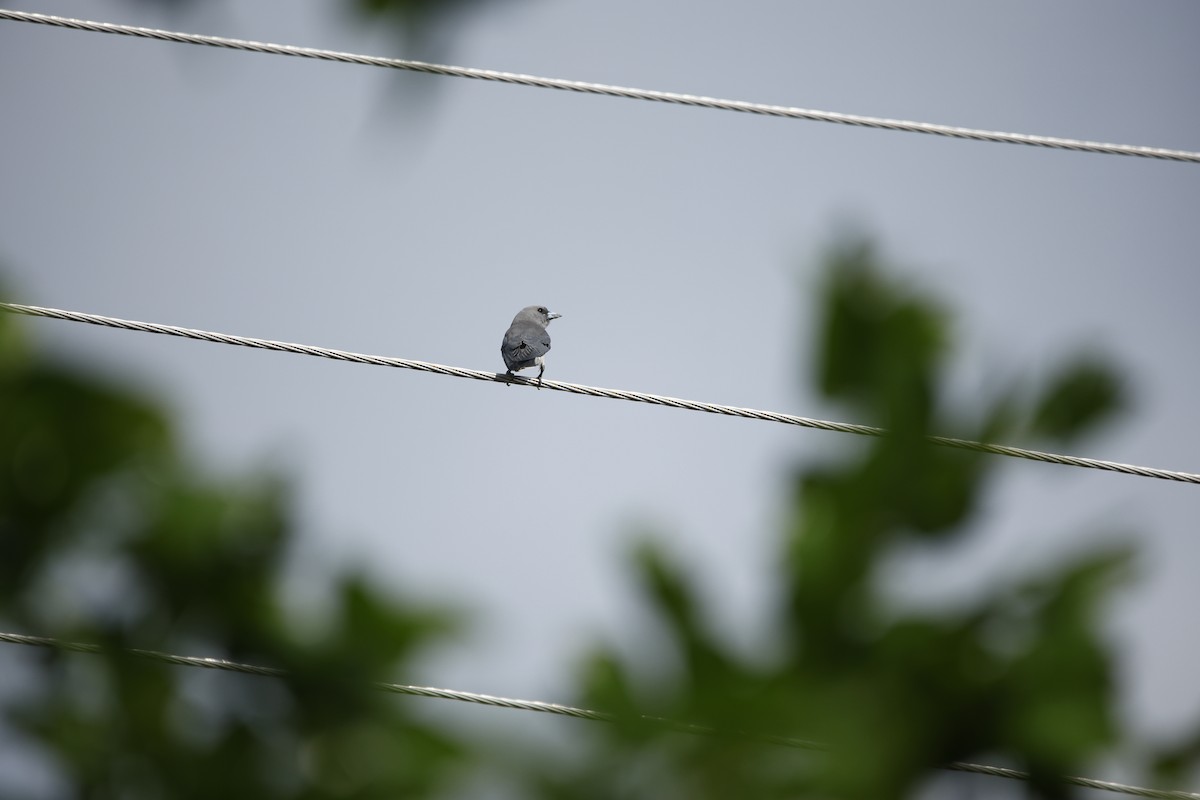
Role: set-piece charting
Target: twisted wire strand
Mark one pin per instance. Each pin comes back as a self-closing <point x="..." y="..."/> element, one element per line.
<point x="569" y="711"/>
<point x="590" y="391"/>
<point x="604" y="89"/>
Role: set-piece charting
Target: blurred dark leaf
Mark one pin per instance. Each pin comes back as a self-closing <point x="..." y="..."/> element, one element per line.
<point x="62" y="436"/>
<point x="1179" y="762"/>
<point x="1084" y="394"/>
<point x="878" y="345"/>
<point x="426" y="28"/>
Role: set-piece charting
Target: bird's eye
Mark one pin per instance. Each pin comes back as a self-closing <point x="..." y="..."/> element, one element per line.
<point x="543" y="311"/>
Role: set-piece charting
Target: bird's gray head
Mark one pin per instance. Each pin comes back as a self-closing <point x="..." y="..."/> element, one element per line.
<point x="538" y="315"/>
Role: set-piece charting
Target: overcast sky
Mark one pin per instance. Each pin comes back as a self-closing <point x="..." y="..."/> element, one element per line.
<point x="412" y="216"/>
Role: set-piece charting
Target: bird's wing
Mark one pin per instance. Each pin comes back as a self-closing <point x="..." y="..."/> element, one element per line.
<point x="526" y="342"/>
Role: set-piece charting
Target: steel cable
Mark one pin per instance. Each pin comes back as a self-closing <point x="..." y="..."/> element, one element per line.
<point x="590" y="391"/>
<point x="792" y="112"/>
<point x="571" y="711"/>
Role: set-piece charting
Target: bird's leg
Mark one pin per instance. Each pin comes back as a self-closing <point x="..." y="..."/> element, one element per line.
<point x="509" y="375"/>
<point x="540" y="373"/>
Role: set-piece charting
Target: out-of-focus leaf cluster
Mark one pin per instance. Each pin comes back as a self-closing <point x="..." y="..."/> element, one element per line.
<point x="416" y="15"/>
<point x="425" y="28"/>
<point x="1019" y="673"/>
<point x="107" y="537"/>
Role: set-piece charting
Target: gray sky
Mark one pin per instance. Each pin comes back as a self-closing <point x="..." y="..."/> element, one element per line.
<point x="324" y="204"/>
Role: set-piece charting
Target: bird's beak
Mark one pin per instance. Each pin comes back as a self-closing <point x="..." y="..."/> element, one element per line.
<point x="554" y="316"/>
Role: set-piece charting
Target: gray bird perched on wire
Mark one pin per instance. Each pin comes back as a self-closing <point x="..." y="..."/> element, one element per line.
<point x="526" y="341"/>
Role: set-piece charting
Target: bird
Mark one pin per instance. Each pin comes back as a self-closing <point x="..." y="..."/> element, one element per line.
<point x="526" y="341"/>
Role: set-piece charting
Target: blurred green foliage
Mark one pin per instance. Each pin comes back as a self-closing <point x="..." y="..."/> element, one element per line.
<point x="1020" y="673"/>
<point x="106" y="535"/>
<point x="91" y="486"/>
<point x="414" y="17"/>
<point x="425" y="29"/>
